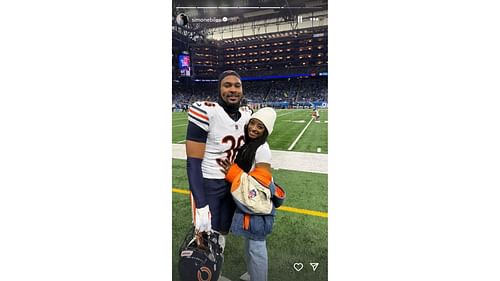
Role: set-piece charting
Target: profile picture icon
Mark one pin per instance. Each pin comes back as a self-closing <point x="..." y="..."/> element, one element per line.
<point x="182" y="19"/>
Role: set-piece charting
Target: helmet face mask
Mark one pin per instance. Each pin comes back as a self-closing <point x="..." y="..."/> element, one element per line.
<point x="200" y="257"/>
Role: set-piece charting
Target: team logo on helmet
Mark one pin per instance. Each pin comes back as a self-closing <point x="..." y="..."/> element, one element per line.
<point x="204" y="274"/>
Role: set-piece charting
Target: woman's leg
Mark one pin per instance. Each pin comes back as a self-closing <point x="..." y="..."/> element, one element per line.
<point x="257" y="259"/>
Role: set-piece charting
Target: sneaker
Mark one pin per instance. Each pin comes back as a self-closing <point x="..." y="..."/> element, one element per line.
<point x="245" y="276"/>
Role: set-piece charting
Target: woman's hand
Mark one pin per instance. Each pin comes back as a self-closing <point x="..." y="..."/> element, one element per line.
<point x="225" y="164"/>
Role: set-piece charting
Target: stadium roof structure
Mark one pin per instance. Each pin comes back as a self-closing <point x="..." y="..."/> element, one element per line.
<point x="219" y="20"/>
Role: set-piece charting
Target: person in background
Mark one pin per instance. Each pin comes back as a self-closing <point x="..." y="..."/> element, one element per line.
<point x="315" y="114"/>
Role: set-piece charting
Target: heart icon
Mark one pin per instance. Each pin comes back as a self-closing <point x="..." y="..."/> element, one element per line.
<point x="298" y="266"/>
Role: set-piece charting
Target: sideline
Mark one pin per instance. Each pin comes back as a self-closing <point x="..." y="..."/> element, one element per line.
<point x="282" y="159"/>
<point x="282" y="208"/>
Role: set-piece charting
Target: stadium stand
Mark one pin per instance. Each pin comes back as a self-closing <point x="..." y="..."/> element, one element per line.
<point x="284" y="67"/>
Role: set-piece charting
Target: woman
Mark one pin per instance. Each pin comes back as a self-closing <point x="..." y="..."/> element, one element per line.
<point x="254" y="192"/>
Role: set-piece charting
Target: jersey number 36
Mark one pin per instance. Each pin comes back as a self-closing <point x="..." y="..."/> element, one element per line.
<point x="235" y="144"/>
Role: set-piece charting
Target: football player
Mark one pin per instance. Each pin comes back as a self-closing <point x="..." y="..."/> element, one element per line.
<point x="214" y="134"/>
<point x="244" y="106"/>
<point x="315" y="114"/>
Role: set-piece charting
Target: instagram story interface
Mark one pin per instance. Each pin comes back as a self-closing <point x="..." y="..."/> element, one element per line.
<point x="250" y="140"/>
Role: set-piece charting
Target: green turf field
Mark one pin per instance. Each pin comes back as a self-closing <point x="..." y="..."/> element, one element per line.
<point x="289" y="124"/>
<point x="295" y="238"/>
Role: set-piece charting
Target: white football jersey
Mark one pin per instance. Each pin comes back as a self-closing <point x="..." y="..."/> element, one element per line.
<point x="224" y="138"/>
<point x="246" y="109"/>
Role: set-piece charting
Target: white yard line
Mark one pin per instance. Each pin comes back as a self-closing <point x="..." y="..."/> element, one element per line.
<point x="288" y="160"/>
<point x="285" y="114"/>
<point x="179" y="119"/>
<point x="180" y="125"/>
<point x="300" y="135"/>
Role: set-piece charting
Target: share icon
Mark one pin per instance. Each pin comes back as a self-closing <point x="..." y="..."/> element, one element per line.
<point x="314" y="265"/>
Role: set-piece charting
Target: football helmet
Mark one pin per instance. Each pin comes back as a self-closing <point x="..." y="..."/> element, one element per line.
<point x="201" y="257"/>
